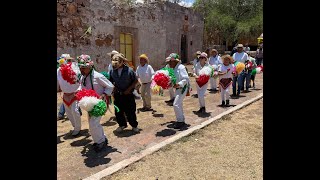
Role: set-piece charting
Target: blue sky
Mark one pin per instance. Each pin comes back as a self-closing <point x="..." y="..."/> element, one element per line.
<point x="188" y="3"/>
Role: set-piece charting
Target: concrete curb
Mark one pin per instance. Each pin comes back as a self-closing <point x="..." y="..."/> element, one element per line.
<point x="124" y="163"/>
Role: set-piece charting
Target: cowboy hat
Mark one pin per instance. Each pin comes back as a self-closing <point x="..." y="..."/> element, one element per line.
<point x="172" y="57"/>
<point x="66" y="56"/>
<point x="112" y="52"/>
<point x="239" y="46"/>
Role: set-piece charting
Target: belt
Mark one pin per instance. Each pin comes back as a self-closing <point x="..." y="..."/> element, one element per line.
<point x="146" y="83"/>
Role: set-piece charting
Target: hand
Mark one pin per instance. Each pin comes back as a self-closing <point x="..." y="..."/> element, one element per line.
<point x="196" y="76"/>
<point x="103" y="96"/>
<point x="176" y="86"/>
<point x="114" y="90"/>
<point x="126" y="92"/>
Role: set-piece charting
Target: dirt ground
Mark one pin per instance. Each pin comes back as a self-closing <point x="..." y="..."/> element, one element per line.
<point x="229" y="148"/>
<point x="77" y="160"/>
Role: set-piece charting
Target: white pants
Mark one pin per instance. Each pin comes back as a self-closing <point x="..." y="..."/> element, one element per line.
<point x="213" y="83"/>
<point x="96" y="129"/>
<point x="177" y="105"/>
<point x="73" y="115"/>
<point x="225" y="93"/>
<point x="201" y="91"/>
<point x="171" y="92"/>
<point x="146" y="95"/>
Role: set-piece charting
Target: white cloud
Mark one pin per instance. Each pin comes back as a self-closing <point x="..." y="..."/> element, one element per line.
<point x="186" y="4"/>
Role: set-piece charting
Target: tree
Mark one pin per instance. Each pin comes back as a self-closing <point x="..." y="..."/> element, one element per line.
<point x="231" y="19"/>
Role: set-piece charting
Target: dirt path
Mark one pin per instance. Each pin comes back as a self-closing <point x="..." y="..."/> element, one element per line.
<point x="77" y="160"/>
<point x="229" y="148"/>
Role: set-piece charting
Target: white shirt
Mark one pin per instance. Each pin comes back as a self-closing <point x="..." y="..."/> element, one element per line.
<point x="224" y="68"/>
<point x="240" y="57"/>
<point x="100" y="83"/>
<point x="195" y="61"/>
<point x="119" y="71"/>
<point x="65" y="86"/>
<point x="145" y="73"/>
<point x="198" y="67"/>
<point x="110" y="67"/>
<point x="215" y="60"/>
<point x="181" y="74"/>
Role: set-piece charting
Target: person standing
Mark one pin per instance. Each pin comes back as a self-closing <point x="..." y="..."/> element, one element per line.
<point x="69" y="85"/>
<point x="144" y="73"/>
<point x="124" y="79"/>
<point x="96" y="81"/>
<point x="182" y="87"/>
<point x="214" y="61"/>
<point x="259" y="56"/>
<point x="203" y="62"/>
<point x="239" y="56"/>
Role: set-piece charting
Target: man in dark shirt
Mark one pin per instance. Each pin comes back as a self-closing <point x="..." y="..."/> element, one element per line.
<point x="124" y="79"/>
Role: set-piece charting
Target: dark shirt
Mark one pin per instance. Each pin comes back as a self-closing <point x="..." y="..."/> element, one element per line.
<point x="123" y="82"/>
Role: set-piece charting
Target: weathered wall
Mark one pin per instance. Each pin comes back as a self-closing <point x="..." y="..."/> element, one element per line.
<point x="176" y="25"/>
<point x="157" y="29"/>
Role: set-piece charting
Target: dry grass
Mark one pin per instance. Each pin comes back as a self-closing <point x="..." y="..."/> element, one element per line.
<point x="230" y="148"/>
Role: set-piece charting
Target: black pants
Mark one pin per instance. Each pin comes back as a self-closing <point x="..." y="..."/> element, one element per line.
<point x="259" y="61"/>
<point x="127" y="106"/>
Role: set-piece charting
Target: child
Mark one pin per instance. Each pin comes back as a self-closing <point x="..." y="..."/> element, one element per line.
<point x="226" y="70"/>
<point x="144" y="73"/>
<point x="214" y="61"/>
<point x="203" y="62"/>
<point x="252" y="76"/>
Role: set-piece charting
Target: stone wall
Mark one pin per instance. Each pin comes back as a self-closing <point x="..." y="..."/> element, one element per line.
<point x="157" y="29"/>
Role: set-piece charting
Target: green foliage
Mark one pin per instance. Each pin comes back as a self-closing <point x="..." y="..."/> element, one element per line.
<point x="231" y="19"/>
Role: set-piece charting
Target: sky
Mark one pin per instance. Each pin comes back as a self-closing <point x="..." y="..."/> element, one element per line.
<point x="186" y="3"/>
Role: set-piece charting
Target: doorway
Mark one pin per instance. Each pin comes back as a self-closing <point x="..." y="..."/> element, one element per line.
<point x="183" y="50"/>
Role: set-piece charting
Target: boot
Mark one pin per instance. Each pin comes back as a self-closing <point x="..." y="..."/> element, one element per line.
<point x="223" y="103"/>
<point x="200" y="110"/>
<point x="227" y="102"/>
<point x="203" y="110"/>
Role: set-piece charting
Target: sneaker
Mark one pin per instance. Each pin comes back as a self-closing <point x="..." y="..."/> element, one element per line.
<point x="178" y="125"/>
<point x="169" y="101"/>
<point x="147" y="108"/>
<point x="99" y="147"/>
<point x="120" y="129"/>
<point x="203" y="110"/>
<point x="135" y="129"/>
<point x="200" y="110"/>
<point x="75" y="133"/>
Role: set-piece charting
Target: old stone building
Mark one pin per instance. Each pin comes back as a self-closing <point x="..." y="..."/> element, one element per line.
<point x="96" y="27"/>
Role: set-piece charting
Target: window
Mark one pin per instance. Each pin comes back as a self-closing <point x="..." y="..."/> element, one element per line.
<point x="126" y="47"/>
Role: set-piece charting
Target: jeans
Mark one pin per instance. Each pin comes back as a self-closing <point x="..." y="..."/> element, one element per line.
<point x="247" y="78"/>
<point x="234" y="85"/>
<point x="259" y="61"/>
<point x="62" y="111"/>
<point x="244" y="76"/>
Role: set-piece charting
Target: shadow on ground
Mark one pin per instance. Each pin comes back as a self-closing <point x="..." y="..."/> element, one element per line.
<point x="166" y="132"/>
<point x="93" y="158"/>
<point x="125" y="133"/>
<point x="203" y="115"/>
